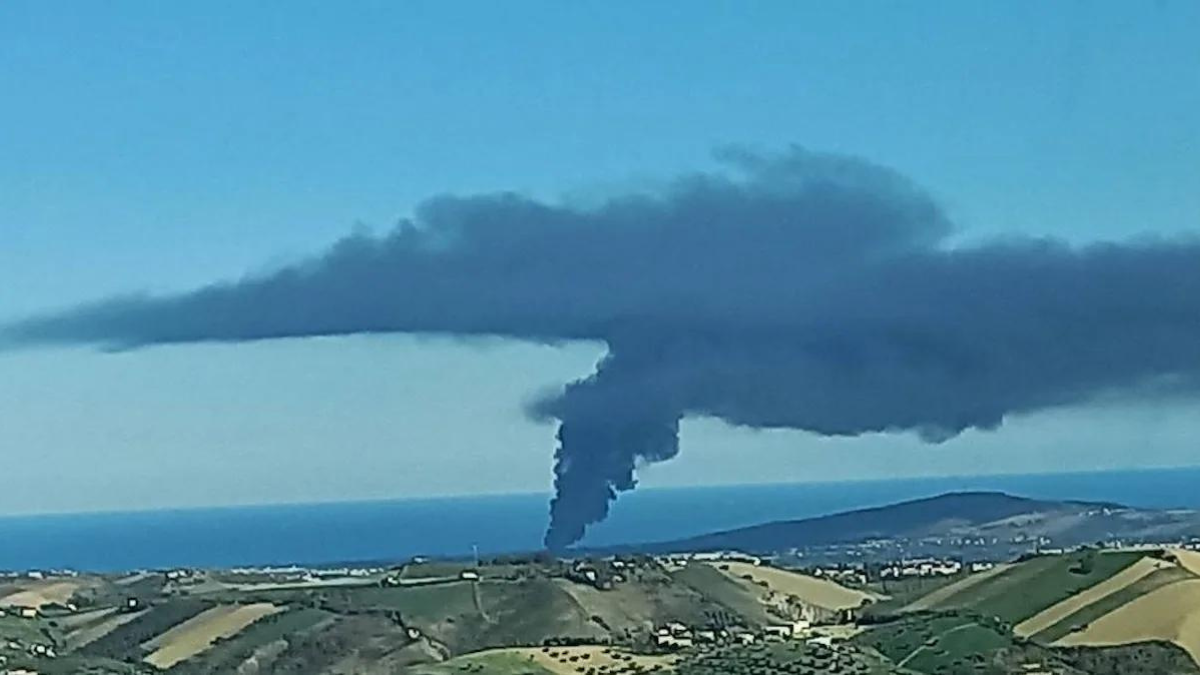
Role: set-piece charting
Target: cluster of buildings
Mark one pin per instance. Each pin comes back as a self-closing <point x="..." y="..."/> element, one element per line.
<point x="677" y="560"/>
<point x="395" y="580"/>
<point x="297" y="570"/>
<point x="45" y="651"/>
<point x="930" y="567"/>
<point x="22" y="612"/>
<point x="850" y="576"/>
<point x="677" y="635"/>
<point x="37" y="650"/>
<point x="1121" y="545"/>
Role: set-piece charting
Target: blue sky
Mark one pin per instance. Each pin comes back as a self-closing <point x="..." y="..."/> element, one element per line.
<point x="158" y="146"/>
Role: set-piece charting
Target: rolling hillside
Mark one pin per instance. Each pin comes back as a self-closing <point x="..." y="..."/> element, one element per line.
<point x="1090" y="611"/>
<point x="1088" y="598"/>
<point x="392" y="622"/>
<point x="907" y="519"/>
<point x="963" y="515"/>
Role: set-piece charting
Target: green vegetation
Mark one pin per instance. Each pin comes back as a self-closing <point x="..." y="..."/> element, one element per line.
<point x="1033" y="585"/>
<point x="526" y="613"/>
<point x="434" y="570"/>
<point x="904" y="590"/>
<point x="955" y="643"/>
<point x="958" y="650"/>
<point x="899" y="639"/>
<point x="125" y="641"/>
<point x="1080" y="619"/>
<point x="27" y="631"/>
<point x="422" y="603"/>
<point x="1145" y="658"/>
<point x="226" y="655"/>
<point x="87" y="665"/>
<point x="486" y="664"/>
<point x="717" y="586"/>
<point x="597" y="618"/>
<point x="792" y="658"/>
<point x="317" y="649"/>
<point x="144" y="589"/>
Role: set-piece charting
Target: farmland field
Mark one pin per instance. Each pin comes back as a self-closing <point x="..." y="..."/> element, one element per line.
<point x="200" y="632"/>
<point x="1025" y="589"/>
<point x="1114" y="584"/>
<point x="811" y="590"/>
<point x="940" y="595"/>
<point x="1171" y="613"/>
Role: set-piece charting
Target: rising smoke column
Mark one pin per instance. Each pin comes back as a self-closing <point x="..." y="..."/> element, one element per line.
<point x="603" y="432"/>
<point x="798" y="291"/>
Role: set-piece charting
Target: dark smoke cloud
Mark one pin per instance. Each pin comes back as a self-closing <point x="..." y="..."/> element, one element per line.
<point x="799" y="291"/>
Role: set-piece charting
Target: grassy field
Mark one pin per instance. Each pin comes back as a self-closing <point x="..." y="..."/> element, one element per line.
<point x="271" y="634"/>
<point x="900" y="594"/>
<point x="900" y="639"/>
<point x="743" y="600"/>
<point x="434" y="570"/>
<point x="639" y="605"/>
<point x="549" y="661"/>
<point x="199" y="633"/>
<point x="87" y="634"/>
<point x="1189" y="560"/>
<point x="124" y="641"/>
<point x="810" y="590"/>
<point x="362" y="644"/>
<point x="83" y="619"/>
<point x="42" y="593"/>
<point x="463" y="616"/>
<point x="1171" y="614"/>
<point x="82" y="665"/>
<point x="957" y="650"/>
<point x="1025" y="589"/>
<point x="1116" y="583"/>
<point x="938" y="596"/>
<point x="793" y="658"/>
<point x="420" y="603"/>
<point x="521" y="613"/>
<point x="1085" y="616"/>
<point x="953" y="643"/>
<point x="499" y="662"/>
<point x="1143" y="658"/>
<point x="26" y="631"/>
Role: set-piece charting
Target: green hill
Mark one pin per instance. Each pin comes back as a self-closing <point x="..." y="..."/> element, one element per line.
<point x="1029" y="587"/>
<point x="906" y="519"/>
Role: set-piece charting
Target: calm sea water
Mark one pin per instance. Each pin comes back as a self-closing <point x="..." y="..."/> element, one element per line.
<point x="322" y="533"/>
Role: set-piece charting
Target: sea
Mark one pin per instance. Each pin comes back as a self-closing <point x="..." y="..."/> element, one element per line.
<point x="394" y="530"/>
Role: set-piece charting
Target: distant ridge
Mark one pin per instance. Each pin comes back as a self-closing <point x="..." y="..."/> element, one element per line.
<point x="954" y="511"/>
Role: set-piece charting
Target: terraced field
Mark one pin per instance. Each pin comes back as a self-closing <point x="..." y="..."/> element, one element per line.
<point x="1088" y="598"/>
<point x="87" y="634"/>
<point x="200" y="632"/>
<point x="1086" y="615"/>
<point x="1116" y="583"/>
<point x="1171" y="613"/>
<point x="257" y="645"/>
<point x="1023" y="590"/>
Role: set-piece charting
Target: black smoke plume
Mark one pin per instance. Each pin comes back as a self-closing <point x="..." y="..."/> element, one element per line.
<point x="798" y="290"/>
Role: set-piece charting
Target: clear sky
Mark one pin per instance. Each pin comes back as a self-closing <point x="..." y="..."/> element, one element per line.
<point x="159" y="146"/>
